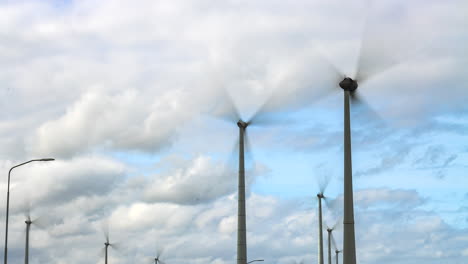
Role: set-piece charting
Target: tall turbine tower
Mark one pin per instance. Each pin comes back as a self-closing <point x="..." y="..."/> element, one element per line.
<point x="232" y="115"/>
<point x="241" y="217"/>
<point x="320" y="196"/>
<point x="349" y="86"/>
<point x="330" y="237"/>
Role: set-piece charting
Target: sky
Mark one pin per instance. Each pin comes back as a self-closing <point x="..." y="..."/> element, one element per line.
<point x="127" y="97"/>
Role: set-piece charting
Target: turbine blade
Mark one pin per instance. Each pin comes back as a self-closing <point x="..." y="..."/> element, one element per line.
<point x="116" y="246"/>
<point x="225" y="108"/>
<point x="333" y="241"/>
<point x="27" y="209"/>
<point x="41" y="221"/>
<point x="326" y="200"/>
<point x="323" y="182"/>
<point x="337" y="225"/>
<point x="336" y="75"/>
<point x="231" y="167"/>
<point x="159" y="251"/>
<point x="102" y="253"/>
<point x="249" y="158"/>
<point x="149" y="260"/>
<point x="105" y="229"/>
<point x="386" y="45"/>
<point x="365" y="109"/>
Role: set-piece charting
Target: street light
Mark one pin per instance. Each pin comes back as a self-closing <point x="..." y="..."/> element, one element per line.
<point x="5" y="256"/>
<point x="255" y="260"/>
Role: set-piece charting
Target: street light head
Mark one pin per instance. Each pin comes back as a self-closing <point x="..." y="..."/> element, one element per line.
<point x="47" y="159"/>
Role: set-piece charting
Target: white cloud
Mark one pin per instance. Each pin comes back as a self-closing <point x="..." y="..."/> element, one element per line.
<point x="87" y="80"/>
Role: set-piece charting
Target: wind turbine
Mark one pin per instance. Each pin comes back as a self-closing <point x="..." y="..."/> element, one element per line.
<point x="323" y="185"/>
<point x="337" y="252"/>
<point x="107" y="244"/>
<point x="157" y="259"/>
<point x="29" y="222"/>
<point x="232" y="115"/>
<point x="368" y="66"/>
<point x="331" y="240"/>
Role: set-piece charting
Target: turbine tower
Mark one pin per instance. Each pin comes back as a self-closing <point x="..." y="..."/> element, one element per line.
<point x="337" y="252"/>
<point x="232" y="115"/>
<point x="320" y="196"/>
<point x="364" y="71"/>
<point x="107" y="244"/>
<point x="329" y="230"/>
<point x="26" y="249"/>
<point x="349" y="250"/>
<point x="241" y="217"/>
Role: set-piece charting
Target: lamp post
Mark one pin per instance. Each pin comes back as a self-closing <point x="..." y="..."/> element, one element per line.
<point x="255" y="260"/>
<point x="5" y="256"/>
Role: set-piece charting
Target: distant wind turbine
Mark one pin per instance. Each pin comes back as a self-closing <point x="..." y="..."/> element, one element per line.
<point x="320" y="196"/>
<point x="107" y="244"/>
<point x="29" y="222"/>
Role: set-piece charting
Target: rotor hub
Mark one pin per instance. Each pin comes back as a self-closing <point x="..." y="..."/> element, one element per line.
<point x="107" y="244"/>
<point x="28" y="222"/>
<point x="320" y="195"/>
<point x="329" y="230"/>
<point x="349" y="84"/>
<point x="242" y="124"/>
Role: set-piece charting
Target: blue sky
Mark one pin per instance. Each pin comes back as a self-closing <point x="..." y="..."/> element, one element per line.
<point x="125" y="97"/>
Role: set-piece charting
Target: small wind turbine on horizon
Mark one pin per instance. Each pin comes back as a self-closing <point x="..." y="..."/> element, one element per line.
<point x="29" y="222"/>
<point x="157" y="259"/>
<point x="320" y="196"/>
<point x="107" y="244"/>
<point x="336" y="256"/>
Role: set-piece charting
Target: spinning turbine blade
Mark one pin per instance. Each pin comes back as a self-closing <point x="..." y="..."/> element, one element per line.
<point x="333" y="242"/>
<point x="366" y="109"/>
<point x="323" y="182"/>
<point x="226" y="108"/>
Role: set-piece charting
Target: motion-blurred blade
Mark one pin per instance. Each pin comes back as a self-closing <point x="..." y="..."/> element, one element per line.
<point x="149" y="260"/>
<point x="226" y="109"/>
<point x="333" y="241"/>
<point x="105" y="230"/>
<point x="337" y="224"/>
<point x="159" y="251"/>
<point x="230" y="166"/>
<point x="336" y="75"/>
<point x="249" y="159"/>
<point x="116" y="246"/>
<point x="27" y="213"/>
<point x="102" y="252"/>
<point x="364" y="107"/>
<point x="41" y="221"/>
<point x="385" y="45"/>
<point x="323" y="182"/>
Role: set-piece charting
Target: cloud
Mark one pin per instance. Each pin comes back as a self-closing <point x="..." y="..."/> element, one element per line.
<point x="86" y="81"/>
<point x="122" y="122"/>
<point x="199" y="180"/>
